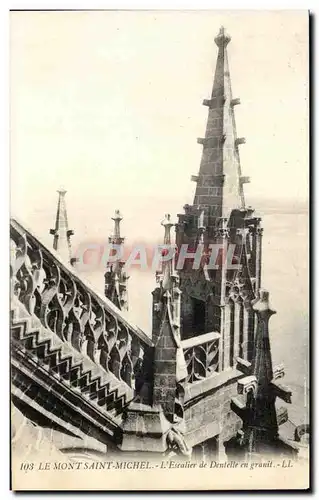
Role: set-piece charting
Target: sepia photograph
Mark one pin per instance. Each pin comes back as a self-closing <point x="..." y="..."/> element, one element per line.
<point x="159" y="250"/>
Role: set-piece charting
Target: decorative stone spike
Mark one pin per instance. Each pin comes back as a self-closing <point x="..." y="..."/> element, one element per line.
<point x="200" y="140"/>
<point x="240" y="140"/>
<point x="244" y="180"/>
<point x="214" y="102"/>
<point x="207" y="102"/>
<point x="235" y="102"/>
<point x="222" y="39"/>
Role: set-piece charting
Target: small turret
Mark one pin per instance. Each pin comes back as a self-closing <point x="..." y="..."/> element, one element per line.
<point x="115" y="277"/>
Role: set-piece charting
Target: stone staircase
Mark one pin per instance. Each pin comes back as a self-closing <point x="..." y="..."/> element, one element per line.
<point x="69" y="343"/>
<point x="61" y="360"/>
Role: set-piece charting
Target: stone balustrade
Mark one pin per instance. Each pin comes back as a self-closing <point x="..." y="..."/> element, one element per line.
<point x="201" y="356"/>
<point x="52" y="291"/>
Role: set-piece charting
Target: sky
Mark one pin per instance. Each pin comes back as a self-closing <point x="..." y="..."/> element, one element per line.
<point x="108" y="105"/>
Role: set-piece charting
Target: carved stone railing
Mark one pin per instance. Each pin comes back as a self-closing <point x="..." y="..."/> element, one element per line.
<point x="53" y="292"/>
<point x="201" y="356"/>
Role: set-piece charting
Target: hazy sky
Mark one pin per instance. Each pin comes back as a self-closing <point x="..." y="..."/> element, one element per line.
<point x="108" y="105"/>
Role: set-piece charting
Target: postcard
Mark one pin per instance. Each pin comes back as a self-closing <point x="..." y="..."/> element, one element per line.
<point x="159" y="250"/>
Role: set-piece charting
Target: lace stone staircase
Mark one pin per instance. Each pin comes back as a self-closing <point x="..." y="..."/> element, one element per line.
<point x="84" y="346"/>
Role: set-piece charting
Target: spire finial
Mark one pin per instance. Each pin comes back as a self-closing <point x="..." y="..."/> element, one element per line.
<point x="117" y="234"/>
<point x="168" y="224"/>
<point x="261" y="306"/>
<point x="222" y="39"/>
<point x="117" y="215"/>
<point x="200" y="222"/>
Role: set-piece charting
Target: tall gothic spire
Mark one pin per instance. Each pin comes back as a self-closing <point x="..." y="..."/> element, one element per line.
<point x="115" y="277"/>
<point x="217" y="292"/>
<point x="220" y="182"/>
<point x="61" y="233"/>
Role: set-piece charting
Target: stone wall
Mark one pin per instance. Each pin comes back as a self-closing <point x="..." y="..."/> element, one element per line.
<point x="212" y="407"/>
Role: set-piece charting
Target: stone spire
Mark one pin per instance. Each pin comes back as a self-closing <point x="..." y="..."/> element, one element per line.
<point x="61" y="233"/>
<point x="220" y="182"/>
<point x="217" y="296"/>
<point x="260" y="418"/>
<point x="115" y="277"/>
<point x="263" y="418"/>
